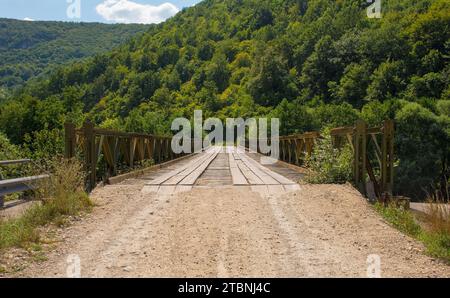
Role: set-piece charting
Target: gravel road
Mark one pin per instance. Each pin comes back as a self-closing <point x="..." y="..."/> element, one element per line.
<point x="317" y="231"/>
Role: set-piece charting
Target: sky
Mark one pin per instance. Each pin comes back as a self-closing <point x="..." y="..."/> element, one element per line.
<point x="105" y="11"/>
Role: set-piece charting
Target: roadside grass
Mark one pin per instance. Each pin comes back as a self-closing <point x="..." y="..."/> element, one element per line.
<point x="61" y="196"/>
<point x="437" y="231"/>
<point x="434" y="234"/>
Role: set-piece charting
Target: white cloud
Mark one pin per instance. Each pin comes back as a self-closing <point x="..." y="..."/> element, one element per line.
<point x="28" y="19"/>
<point x="125" y="11"/>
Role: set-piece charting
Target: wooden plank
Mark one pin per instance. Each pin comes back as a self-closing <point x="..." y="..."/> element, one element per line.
<point x="174" y="180"/>
<point x="251" y="177"/>
<point x="167" y="176"/>
<point x="192" y="178"/>
<point x="276" y="176"/>
<point x="236" y="174"/>
<point x="267" y="179"/>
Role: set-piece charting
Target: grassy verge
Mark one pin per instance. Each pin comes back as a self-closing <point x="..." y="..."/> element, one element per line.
<point x="60" y="196"/>
<point x="435" y="233"/>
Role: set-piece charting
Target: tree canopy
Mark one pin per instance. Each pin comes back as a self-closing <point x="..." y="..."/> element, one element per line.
<point x="313" y="63"/>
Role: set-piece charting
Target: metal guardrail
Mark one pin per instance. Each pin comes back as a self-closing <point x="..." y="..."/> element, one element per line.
<point x="15" y="185"/>
<point x="12" y="162"/>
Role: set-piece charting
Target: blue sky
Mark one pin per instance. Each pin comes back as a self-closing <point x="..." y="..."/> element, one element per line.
<point x="107" y="11"/>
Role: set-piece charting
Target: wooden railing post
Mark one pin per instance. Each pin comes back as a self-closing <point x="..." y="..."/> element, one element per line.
<point x="115" y="154"/>
<point x="387" y="157"/>
<point x="132" y="148"/>
<point x="70" y="140"/>
<point x="360" y="155"/>
<point x="90" y="154"/>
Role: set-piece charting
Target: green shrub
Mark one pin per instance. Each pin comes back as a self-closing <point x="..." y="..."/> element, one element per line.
<point x="9" y="151"/>
<point x="328" y="164"/>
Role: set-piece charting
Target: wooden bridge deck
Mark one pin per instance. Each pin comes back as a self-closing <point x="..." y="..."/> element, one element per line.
<point x="222" y="166"/>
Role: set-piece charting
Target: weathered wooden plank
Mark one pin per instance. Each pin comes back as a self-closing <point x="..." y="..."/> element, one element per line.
<point x="266" y="178"/>
<point x="174" y="180"/>
<point x="236" y="174"/>
<point x="192" y="178"/>
<point x="167" y="176"/>
<point x="251" y="177"/>
<point x="276" y="176"/>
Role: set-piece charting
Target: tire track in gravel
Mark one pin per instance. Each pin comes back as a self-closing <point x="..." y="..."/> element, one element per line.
<point x="321" y="231"/>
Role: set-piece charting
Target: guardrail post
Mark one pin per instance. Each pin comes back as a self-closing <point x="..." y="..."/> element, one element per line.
<point x="90" y="154"/>
<point x="70" y="140"/>
<point x="360" y="155"/>
<point x="387" y="157"/>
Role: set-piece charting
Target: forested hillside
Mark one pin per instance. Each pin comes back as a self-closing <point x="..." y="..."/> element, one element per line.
<point x="312" y="63"/>
<point x="30" y="48"/>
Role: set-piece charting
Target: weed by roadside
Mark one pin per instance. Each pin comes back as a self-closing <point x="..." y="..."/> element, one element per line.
<point x="400" y="218"/>
<point x="435" y="235"/>
<point x="437" y="232"/>
<point x="60" y="196"/>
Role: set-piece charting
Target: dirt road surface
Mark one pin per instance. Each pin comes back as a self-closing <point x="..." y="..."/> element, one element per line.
<point x="228" y="231"/>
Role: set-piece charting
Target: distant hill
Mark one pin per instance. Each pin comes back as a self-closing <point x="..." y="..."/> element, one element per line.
<point x="29" y="48"/>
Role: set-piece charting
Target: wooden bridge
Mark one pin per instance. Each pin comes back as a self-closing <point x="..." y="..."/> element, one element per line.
<point x="222" y="166"/>
<point x="107" y="154"/>
<point x="222" y="212"/>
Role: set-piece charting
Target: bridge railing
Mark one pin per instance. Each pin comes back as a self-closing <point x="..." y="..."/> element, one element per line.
<point x="16" y="185"/>
<point x="373" y="150"/>
<point x="107" y="152"/>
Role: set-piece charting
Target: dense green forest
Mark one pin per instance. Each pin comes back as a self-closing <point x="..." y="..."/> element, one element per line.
<point x="28" y="49"/>
<point x="312" y="63"/>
